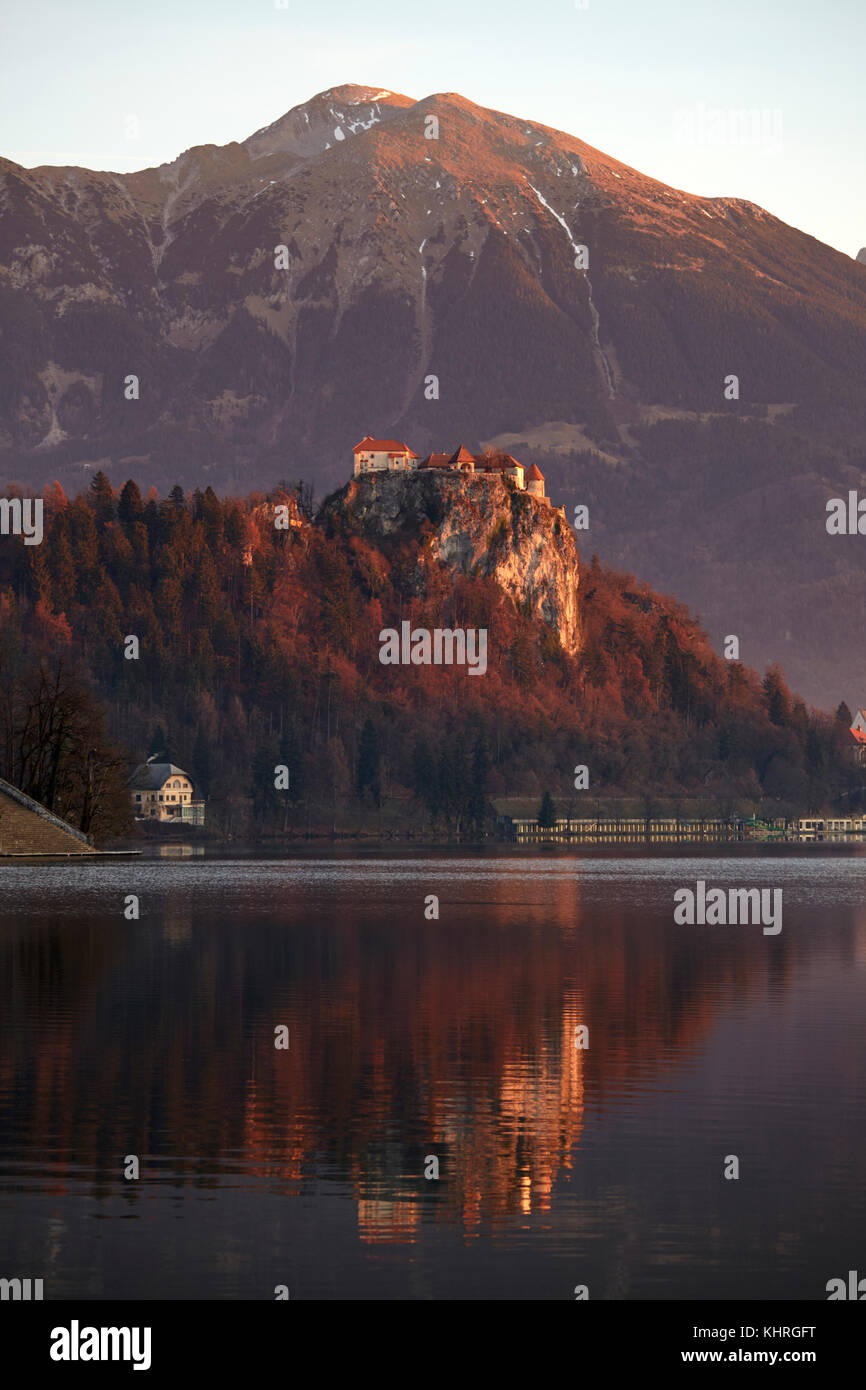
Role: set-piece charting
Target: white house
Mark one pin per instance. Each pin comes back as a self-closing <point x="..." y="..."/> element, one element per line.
<point x="383" y="456"/>
<point x="161" y="791"/>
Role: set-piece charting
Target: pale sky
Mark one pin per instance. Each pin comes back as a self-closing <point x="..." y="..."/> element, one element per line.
<point x="658" y="84"/>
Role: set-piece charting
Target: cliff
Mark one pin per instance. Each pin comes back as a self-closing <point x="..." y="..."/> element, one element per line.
<point x="480" y="527"/>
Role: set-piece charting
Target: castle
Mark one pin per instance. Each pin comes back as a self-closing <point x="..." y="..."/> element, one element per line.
<point x="393" y="456"/>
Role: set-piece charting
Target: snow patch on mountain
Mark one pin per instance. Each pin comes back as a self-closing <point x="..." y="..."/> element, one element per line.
<point x="605" y="365"/>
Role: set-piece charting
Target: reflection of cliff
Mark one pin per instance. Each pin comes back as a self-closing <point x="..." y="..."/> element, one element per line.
<point x="408" y="1038"/>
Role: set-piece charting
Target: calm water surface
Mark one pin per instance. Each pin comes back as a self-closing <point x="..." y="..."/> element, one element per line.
<point x="408" y="1038"/>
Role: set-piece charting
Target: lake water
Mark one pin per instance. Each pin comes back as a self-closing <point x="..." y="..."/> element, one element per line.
<point x="413" y="1039"/>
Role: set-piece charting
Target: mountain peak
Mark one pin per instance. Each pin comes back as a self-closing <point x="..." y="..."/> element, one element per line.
<point x="353" y="95"/>
<point x="326" y="119"/>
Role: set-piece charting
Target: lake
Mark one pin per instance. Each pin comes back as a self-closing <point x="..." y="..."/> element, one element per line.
<point x="415" y="1043"/>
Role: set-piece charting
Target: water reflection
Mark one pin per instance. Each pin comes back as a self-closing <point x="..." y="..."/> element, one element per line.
<point x="412" y="1038"/>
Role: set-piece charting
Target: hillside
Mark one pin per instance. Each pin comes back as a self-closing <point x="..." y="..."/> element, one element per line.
<point x="407" y="258"/>
<point x="260" y="645"/>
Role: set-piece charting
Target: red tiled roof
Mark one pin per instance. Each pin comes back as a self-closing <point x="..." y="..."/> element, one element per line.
<point x="859" y="735"/>
<point x="383" y="446"/>
<point x="535" y="474"/>
<point x="436" y="461"/>
<point x="461" y="455"/>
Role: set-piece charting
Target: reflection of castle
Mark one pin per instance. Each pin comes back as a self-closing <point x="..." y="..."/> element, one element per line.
<point x="540" y="1120"/>
<point x="455" y="1044"/>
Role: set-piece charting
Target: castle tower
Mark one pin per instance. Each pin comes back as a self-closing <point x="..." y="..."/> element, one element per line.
<point x="535" y="481"/>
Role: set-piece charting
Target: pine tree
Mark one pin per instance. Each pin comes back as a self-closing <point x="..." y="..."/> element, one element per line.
<point x="130" y="507"/>
<point x="201" y="762"/>
<point x="480" y="773"/>
<point x="369" y="762"/>
<point x="102" y="498"/>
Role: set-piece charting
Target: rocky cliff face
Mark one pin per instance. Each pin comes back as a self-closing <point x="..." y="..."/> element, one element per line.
<point x="480" y="527"/>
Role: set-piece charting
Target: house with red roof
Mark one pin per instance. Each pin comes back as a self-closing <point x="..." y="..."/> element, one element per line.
<point x="858" y="731"/>
<point x="383" y="456"/>
<point x="461" y="461"/>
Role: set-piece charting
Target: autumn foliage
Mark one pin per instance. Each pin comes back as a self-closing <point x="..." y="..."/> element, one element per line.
<point x="260" y="646"/>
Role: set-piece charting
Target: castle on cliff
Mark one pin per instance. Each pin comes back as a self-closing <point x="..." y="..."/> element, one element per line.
<point x="393" y="456"/>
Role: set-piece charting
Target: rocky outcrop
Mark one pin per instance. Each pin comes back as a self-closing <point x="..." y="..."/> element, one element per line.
<point x="478" y="526"/>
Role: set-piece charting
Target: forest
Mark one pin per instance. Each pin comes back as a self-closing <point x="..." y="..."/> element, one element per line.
<point x="258" y="648"/>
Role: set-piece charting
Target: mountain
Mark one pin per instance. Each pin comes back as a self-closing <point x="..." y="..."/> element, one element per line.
<point x="438" y="239"/>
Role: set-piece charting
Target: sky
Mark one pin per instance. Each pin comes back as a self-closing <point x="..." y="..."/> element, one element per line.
<point x="757" y="99"/>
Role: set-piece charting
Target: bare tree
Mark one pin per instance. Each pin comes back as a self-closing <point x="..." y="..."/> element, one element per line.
<point x="55" y="747"/>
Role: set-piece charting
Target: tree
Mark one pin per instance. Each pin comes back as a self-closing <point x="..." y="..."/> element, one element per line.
<point x="130" y="507"/>
<point x="102" y="498"/>
<point x="522" y="661"/>
<point x="547" y="812"/>
<point x="777" y="696"/>
<point x="291" y="755"/>
<point x="201" y="761"/>
<point x="425" y="780"/>
<point x="480" y="773"/>
<point x="369" y="763"/>
<point x="55" y="748"/>
<point x="844" y="716"/>
<point x="306" y="499"/>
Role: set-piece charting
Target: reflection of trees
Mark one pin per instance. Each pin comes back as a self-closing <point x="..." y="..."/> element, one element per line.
<point x="408" y="1038"/>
